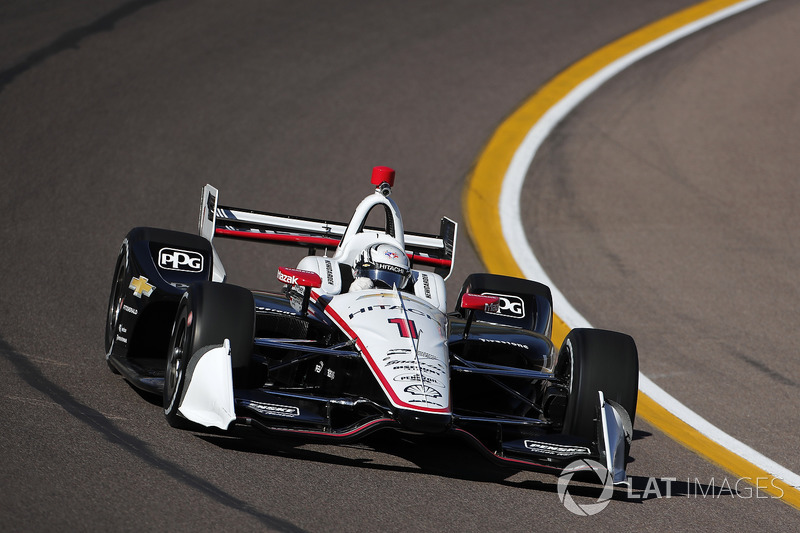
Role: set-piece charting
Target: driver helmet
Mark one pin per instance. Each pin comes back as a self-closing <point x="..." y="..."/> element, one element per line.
<point x="386" y="265"/>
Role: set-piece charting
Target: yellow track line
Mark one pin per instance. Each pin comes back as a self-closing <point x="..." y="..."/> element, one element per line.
<point x="682" y="432"/>
<point x="481" y="199"/>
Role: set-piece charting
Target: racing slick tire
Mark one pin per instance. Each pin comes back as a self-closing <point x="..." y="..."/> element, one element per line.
<point x="115" y="303"/>
<point x="208" y="313"/>
<point x="593" y="360"/>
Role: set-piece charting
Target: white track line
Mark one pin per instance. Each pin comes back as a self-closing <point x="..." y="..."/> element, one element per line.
<point x="514" y="233"/>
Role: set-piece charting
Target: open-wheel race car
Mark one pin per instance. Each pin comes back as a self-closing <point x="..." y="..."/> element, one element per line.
<point x="360" y="339"/>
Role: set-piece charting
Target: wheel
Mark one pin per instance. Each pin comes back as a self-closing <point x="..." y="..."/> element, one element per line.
<point x="593" y="360"/>
<point x="115" y="304"/>
<point x="208" y="313"/>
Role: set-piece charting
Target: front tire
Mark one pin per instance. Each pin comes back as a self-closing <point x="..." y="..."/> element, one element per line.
<point x="593" y="360"/>
<point x="115" y="300"/>
<point x="208" y="313"/>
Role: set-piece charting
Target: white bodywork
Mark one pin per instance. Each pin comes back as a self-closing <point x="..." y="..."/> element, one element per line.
<point x="208" y="399"/>
<point x="328" y="271"/>
<point x="403" y="341"/>
<point x="402" y="336"/>
<point x="426" y="285"/>
<point x="617" y="430"/>
<point x="356" y="239"/>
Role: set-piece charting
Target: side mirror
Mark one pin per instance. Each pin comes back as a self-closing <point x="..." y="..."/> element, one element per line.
<point x="303" y="278"/>
<point x="490" y="304"/>
<point x="472" y="302"/>
<point x="295" y="276"/>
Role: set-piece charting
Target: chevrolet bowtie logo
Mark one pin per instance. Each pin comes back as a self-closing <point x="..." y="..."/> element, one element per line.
<point x="140" y="286"/>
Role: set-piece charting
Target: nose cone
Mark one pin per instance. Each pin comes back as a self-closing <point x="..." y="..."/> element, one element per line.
<point x="423" y="422"/>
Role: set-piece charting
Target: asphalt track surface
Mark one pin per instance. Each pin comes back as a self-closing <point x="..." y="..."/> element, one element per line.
<point x="663" y="207"/>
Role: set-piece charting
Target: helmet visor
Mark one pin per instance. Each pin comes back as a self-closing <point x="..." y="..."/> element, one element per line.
<point x="385" y="276"/>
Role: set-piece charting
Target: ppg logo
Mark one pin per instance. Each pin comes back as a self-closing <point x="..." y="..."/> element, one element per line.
<point x="183" y="260"/>
<point x="509" y="305"/>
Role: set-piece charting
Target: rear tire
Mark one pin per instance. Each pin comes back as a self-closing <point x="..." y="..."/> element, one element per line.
<point x="208" y="313"/>
<point x="593" y="360"/>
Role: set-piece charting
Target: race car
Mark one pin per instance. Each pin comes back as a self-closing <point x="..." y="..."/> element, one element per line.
<point x="360" y="339"/>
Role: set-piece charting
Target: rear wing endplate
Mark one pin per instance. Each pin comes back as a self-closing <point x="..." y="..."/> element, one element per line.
<point x="435" y="251"/>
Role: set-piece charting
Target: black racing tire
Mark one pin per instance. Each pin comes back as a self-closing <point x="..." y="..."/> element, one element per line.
<point x="115" y="298"/>
<point x="208" y="313"/>
<point x="593" y="360"/>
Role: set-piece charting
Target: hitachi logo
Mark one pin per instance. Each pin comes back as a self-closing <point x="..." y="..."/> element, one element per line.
<point x="390" y="308"/>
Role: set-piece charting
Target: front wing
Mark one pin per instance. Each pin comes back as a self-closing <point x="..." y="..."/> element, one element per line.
<point x="211" y="400"/>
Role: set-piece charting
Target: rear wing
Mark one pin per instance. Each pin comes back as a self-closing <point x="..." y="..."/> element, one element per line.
<point x="435" y="251"/>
